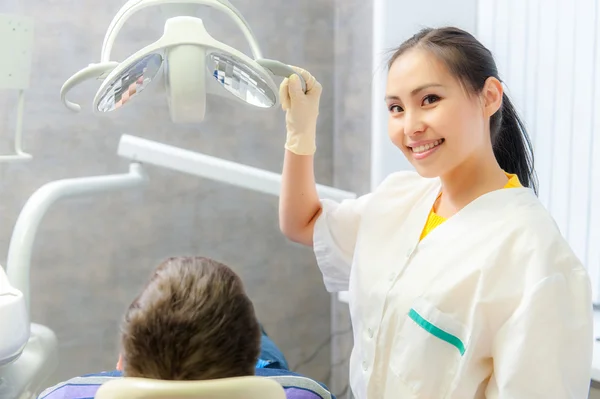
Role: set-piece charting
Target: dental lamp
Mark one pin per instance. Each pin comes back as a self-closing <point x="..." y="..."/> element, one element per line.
<point x="193" y="65"/>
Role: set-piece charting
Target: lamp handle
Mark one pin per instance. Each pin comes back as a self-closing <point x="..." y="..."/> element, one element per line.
<point x="278" y="68"/>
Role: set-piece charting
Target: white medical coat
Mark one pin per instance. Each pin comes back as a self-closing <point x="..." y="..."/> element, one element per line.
<point x="493" y="303"/>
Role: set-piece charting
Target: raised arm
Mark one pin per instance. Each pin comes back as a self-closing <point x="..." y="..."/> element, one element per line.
<point x="299" y="204"/>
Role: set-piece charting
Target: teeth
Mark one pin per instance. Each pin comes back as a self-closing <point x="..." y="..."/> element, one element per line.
<point x="426" y="147"/>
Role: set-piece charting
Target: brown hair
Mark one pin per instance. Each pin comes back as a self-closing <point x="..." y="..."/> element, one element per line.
<point x="472" y="64"/>
<point x="192" y="321"/>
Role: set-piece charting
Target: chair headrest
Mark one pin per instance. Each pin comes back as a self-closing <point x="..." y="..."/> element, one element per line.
<point x="251" y="387"/>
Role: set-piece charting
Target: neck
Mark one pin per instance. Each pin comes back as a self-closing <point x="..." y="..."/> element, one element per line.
<point x="469" y="181"/>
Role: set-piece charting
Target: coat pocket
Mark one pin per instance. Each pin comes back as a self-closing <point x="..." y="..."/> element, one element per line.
<point x="428" y="350"/>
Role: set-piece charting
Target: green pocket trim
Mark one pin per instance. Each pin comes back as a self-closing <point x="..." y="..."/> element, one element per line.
<point x="437" y="332"/>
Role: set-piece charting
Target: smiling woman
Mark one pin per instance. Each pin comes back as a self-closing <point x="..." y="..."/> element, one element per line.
<point x="454" y="84"/>
<point x="459" y="280"/>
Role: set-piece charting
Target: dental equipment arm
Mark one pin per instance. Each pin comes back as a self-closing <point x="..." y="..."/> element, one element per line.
<point x="22" y="378"/>
<point x="193" y="163"/>
<point x="93" y="71"/>
<point x="22" y="240"/>
<point x="19" y="154"/>
<point x="151" y="152"/>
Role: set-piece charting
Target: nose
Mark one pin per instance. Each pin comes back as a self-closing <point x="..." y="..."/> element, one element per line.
<point x="413" y="123"/>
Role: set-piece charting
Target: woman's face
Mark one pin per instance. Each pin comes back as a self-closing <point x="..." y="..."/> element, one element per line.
<point x="436" y="123"/>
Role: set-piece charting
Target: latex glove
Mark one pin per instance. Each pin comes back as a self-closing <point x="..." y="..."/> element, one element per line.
<point x="302" y="110"/>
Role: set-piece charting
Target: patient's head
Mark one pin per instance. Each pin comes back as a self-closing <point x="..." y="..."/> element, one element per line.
<point x="192" y="321"/>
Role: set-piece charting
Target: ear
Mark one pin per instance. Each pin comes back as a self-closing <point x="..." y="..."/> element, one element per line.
<point x="492" y="96"/>
<point x="120" y="363"/>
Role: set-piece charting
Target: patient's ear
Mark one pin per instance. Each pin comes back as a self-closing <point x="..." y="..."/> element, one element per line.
<point x="120" y="363"/>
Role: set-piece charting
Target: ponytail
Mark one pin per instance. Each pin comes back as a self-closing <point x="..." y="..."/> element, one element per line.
<point x="511" y="144"/>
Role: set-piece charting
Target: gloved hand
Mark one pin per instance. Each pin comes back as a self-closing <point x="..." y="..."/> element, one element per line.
<point x="302" y="110"/>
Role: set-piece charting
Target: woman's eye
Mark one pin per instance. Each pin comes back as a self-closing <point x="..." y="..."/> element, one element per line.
<point x="431" y="98"/>
<point x="395" y="108"/>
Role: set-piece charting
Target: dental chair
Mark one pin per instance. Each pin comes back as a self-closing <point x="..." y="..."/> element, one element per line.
<point x="26" y="370"/>
<point x="227" y="388"/>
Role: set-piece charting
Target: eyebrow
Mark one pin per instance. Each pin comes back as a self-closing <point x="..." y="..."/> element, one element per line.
<point x="415" y="91"/>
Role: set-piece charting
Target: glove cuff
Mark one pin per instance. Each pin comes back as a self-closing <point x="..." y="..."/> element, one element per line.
<point x="301" y="144"/>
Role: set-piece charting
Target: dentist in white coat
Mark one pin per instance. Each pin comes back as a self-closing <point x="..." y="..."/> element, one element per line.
<point x="461" y="285"/>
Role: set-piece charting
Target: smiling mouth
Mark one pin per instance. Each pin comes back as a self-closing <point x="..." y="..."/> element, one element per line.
<point x="426" y="147"/>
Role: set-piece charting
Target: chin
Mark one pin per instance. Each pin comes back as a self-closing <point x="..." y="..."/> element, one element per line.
<point x="428" y="170"/>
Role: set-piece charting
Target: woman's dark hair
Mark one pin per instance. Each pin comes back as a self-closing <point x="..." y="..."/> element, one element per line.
<point x="472" y="63"/>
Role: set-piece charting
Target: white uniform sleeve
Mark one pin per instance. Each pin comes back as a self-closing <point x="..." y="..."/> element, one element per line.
<point x="334" y="239"/>
<point x="545" y="349"/>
